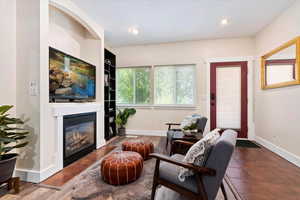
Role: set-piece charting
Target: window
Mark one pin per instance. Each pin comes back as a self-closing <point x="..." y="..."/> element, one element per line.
<point x="168" y="85"/>
<point x="133" y="85"/>
<point x="174" y="84"/>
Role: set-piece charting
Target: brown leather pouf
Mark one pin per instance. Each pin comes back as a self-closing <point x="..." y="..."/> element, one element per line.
<point x="121" y="167"/>
<point x="142" y="147"/>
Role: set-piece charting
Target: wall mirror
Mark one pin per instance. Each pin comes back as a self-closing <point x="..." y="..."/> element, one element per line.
<point x="281" y="67"/>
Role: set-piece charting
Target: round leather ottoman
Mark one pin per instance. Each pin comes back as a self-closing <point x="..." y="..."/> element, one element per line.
<point x="121" y="167"/>
<point x="142" y="147"/>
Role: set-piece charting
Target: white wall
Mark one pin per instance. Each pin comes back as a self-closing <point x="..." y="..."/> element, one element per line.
<point x="194" y="52"/>
<point x="33" y="33"/>
<point x="277" y="110"/>
<point x="8" y="52"/>
<point x="28" y="70"/>
<point x="67" y="35"/>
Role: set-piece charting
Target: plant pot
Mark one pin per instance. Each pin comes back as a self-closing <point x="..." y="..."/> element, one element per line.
<point x="122" y="131"/>
<point x="7" y="166"/>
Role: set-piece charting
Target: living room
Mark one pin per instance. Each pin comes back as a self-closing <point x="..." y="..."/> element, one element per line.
<point x="94" y="82"/>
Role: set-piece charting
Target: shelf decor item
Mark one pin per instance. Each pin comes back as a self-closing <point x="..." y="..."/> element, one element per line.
<point x="11" y="137"/>
<point x="122" y="118"/>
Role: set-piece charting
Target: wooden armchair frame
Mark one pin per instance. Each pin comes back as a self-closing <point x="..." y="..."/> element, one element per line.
<point x="199" y="173"/>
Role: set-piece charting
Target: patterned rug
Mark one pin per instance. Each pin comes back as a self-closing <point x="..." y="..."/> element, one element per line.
<point x="90" y="186"/>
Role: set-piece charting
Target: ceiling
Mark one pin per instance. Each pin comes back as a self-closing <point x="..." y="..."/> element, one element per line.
<point x="161" y="21"/>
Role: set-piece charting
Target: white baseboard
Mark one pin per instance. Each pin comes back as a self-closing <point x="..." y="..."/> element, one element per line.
<point x="146" y="132"/>
<point x="32" y="176"/>
<point x="35" y="176"/>
<point x="280" y="151"/>
<point x="101" y="143"/>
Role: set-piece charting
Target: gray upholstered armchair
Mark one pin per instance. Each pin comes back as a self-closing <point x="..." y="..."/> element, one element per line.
<point x="204" y="185"/>
<point x="177" y="133"/>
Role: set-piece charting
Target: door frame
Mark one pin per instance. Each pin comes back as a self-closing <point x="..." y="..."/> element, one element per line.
<point x="243" y="131"/>
<point x="251" y="62"/>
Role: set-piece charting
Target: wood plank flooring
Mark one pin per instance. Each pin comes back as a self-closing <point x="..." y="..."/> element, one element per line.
<point x="259" y="174"/>
<point x="77" y="167"/>
<point x="255" y="173"/>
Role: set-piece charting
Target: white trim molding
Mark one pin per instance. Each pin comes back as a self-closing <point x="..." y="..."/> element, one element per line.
<point x="147" y="132"/>
<point x="34" y="176"/>
<point x="279" y="151"/>
<point x="159" y="106"/>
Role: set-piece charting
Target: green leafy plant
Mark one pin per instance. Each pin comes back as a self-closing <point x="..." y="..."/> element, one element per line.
<point x="190" y="127"/>
<point x="11" y="135"/>
<point x="123" y="115"/>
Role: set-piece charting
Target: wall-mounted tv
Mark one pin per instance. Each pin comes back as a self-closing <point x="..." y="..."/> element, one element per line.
<point x="70" y="78"/>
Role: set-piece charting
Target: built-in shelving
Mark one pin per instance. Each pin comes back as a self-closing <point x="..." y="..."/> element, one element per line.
<point x="110" y="94"/>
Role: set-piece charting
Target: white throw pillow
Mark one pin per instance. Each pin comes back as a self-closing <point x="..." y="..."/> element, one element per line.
<point x="198" y="153"/>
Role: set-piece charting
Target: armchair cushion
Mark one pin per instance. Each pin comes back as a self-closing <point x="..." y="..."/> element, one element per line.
<point x="169" y="172"/>
<point x="198" y="153"/>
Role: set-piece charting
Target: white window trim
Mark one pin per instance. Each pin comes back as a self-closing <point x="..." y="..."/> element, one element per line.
<point x="159" y="106"/>
<point x="152" y="92"/>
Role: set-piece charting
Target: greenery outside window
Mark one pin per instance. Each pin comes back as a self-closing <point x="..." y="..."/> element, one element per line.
<point x="133" y="85"/>
<point x="167" y="85"/>
<point x="174" y="84"/>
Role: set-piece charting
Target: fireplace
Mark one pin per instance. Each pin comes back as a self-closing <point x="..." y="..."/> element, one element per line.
<point x="79" y="136"/>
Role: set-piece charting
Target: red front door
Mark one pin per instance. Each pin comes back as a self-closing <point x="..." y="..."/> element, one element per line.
<point x="229" y="96"/>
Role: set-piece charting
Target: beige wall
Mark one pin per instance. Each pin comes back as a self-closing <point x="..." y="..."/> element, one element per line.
<point x="276" y="110"/>
<point x="67" y="35"/>
<point x="8" y="52"/>
<point x="28" y="70"/>
<point x="194" y="52"/>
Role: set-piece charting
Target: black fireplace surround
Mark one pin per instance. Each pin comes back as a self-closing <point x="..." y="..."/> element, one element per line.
<point x="79" y="136"/>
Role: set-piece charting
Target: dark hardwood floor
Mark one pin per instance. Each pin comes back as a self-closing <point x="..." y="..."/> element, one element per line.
<point x="255" y="173"/>
<point x="259" y="174"/>
<point x="62" y="177"/>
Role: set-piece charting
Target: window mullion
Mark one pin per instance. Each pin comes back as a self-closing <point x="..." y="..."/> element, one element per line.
<point x="134" y="86"/>
<point x="175" y="88"/>
<point x="152" y="85"/>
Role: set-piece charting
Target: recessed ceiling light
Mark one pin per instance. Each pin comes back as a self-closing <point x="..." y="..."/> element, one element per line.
<point x="224" y="21"/>
<point x="133" y="30"/>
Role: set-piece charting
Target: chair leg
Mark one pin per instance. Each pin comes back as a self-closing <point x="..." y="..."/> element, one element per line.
<point x="155" y="177"/>
<point x="223" y="191"/>
<point x="167" y="142"/>
<point x="154" y="186"/>
<point x="172" y="148"/>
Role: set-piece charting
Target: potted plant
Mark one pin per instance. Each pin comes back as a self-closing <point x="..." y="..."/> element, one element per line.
<point x="122" y="117"/>
<point x="189" y="125"/>
<point x="11" y="137"/>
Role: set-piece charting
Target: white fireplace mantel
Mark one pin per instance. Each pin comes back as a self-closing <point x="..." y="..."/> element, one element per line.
<point x="75" y="108"/>
<point x="63" y="109"/>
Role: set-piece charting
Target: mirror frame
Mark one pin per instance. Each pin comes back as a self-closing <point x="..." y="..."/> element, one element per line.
<point x="264" y="85"/>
